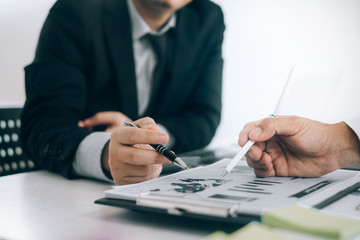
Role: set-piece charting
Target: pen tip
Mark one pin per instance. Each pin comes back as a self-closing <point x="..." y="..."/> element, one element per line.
<point x="181" y="163"/>
<point x="224" y="173"/>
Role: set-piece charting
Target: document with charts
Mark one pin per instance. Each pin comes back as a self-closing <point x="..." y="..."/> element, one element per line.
<point x="202" y="190"/>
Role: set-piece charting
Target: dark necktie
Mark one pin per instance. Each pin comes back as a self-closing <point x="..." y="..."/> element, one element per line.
<point x="161" y="45"/>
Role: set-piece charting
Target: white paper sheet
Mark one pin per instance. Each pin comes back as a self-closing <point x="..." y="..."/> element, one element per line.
<point x="204" y="186"/>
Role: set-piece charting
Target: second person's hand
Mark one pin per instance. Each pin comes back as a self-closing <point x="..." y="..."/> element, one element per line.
<point x="295" y="146"/>
<point x="111" y="119"/>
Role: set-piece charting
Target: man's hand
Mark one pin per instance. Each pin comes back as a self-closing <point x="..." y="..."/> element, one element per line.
<point x="129" y="157"/>
<point x="294" y="146"/>
<point x="111" y="119"/>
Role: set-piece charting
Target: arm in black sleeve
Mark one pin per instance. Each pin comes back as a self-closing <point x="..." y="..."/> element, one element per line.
<point x="56" y="91"/>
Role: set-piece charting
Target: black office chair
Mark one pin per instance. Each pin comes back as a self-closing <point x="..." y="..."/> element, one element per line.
<point x="12" y="158"/>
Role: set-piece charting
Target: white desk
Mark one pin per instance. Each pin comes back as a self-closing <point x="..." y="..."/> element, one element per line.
<point x="42" y="205"/>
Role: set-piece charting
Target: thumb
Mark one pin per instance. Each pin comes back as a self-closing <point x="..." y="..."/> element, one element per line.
<point x="280" y="125"/>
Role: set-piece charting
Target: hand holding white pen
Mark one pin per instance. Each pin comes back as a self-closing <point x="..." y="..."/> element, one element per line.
<point x="240" y="155"/>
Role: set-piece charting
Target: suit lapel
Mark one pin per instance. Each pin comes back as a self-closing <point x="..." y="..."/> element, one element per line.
<point x="117" y="29"/>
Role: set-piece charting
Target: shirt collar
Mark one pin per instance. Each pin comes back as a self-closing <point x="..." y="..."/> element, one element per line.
<point x="139" y="26"/>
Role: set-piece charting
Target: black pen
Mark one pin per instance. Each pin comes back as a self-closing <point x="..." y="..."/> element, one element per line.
<point x="163" y="150"/>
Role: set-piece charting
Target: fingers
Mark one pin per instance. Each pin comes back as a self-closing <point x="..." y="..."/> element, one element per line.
<point x="81" y="124"/>
<point x="244" y="134"/>
<point x="280" y="125"/>
<point x="102" y="118"/>
<point x="261" y="162"/>
<point x="130" y="175"/>
<point x="254" y="153"/>
<point x="269" y="156"/>
<point x="129" y="164"/>
<point x="110" y="118"/>
<point x="137" y="156"/>
<point x="268" y="172"/>
<point x="256" y="157"/>
<point x="131" y="136"/>
<point x="147" y="123"/>
<point x="260" y="131"/>
<point x="146" y="177"/>
<point x="106" y="118"/>
<point x="131" y="159"/>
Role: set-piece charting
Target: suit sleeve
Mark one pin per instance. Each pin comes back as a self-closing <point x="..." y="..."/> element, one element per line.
<point x="56" y="91"/>
<point x="196" y="125"/>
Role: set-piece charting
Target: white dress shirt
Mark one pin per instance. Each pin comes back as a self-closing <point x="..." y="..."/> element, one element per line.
<point x="87" y="160"/>
<point x="145" y="58"/>
<point x="354" y="123"/>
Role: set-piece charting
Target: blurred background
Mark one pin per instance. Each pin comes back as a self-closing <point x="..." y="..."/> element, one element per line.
<point x="264" y="39"/>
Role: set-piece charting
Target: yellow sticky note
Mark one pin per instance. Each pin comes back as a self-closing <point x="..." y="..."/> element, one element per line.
<point x="311" y="221"/>
<point x="253" y="231"/>
<point x="217" y="236"/>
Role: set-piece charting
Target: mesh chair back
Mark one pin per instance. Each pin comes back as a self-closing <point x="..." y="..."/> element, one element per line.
<point x="12" y="158"/>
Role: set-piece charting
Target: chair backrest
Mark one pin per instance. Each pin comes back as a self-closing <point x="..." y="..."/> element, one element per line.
<point x="308" y="91"/>
<point x="12" y="158"/>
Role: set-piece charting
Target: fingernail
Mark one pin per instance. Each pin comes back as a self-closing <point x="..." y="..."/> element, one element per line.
<point x="162" y="137"/>
<point x="256" y="132"/>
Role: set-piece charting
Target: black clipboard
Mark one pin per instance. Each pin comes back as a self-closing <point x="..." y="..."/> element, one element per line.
<point x="239" y="219"/>
<point x="153" y="202"/>
<point x="193" y="159"/>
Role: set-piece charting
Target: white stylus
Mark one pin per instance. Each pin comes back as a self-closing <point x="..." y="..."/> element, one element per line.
<point x="240" y="155"/>
<point x="237" y="158"/>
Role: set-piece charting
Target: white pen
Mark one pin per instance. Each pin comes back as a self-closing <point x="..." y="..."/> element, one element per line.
<point x="237" y="158"/>
<point x="240" y="155"/>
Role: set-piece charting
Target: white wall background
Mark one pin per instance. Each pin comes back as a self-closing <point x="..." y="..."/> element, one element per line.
<point x="20" y="25"/>
<point x="263" y="40"/>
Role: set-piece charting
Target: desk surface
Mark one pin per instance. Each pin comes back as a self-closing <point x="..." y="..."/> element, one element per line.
<point x="42" y="205"/>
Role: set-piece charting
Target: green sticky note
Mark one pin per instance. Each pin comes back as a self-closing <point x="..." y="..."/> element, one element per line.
<point x="217" y="236"/>
<point x="311" y="221"/>
<point x="253" y="231"/>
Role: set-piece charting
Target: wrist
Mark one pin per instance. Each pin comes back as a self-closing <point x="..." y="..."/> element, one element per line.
<point x="105" y="160"/>
<point x="348" y="145"/>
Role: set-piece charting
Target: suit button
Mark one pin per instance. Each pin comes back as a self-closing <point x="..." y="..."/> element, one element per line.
<point x="52" y="152"/>
<point x="46" y="149"/>
<point x="58" y="151"/>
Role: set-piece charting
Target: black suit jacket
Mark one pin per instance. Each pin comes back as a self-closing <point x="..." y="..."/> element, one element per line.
<point x="84" y="64"/>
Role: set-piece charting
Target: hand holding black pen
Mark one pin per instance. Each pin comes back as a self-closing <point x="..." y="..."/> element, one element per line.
<point x="163" y="150"/>
<point x="127" y="158"/>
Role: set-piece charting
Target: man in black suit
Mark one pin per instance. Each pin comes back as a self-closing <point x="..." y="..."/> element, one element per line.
<point x="97" y="64"/>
